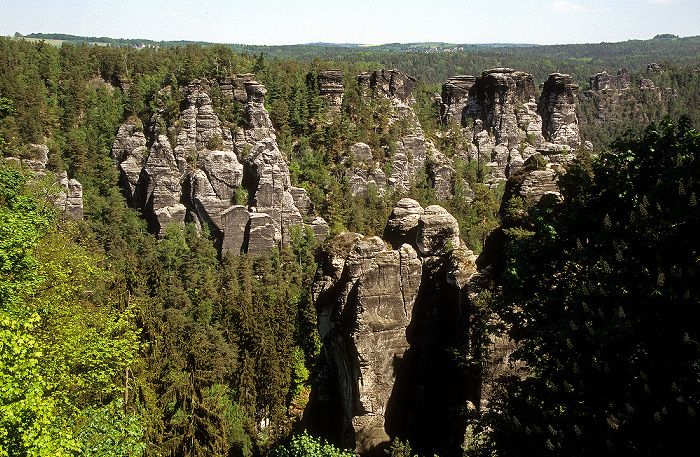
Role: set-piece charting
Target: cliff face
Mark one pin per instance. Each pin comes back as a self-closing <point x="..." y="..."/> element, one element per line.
<point x="205" y="174"/>
<point x="557" y="106"/>
<point x="505" y="123"/>
<point x="388" y="311"/>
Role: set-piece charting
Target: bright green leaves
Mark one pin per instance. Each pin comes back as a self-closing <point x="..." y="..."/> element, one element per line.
<point x="55" y="297"/>
<point x="28" y="425"/>
<point x="306" y="446"/>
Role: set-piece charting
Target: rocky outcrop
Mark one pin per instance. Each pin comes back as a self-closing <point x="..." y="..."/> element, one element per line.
<point x="69" y="198"/>
<point x="495" y="98"/>
<point x="66" y="194"/>
<point x="330" y="85"/>
<point x="387" y="314"/>
<point x="503" y="122"/>
<point x="557" y="106"/>
<point x="603" y="81"/>
<point x="454" y="97"/>
<point x="655" y="68"/>
<point x="411" y="150"/>
<point x="212" y="166"/>
<point x="129" y="153"/>
<point x="438" y="231"/>
<point x="392" y="84"/>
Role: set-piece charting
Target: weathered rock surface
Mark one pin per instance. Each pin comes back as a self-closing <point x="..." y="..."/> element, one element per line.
<point x="67" y="194"/>
<point x="494" y="98"/>
<point x="212" y="166"/>
<point x="557" y="106"/>
<point x="386" y="317"/>
<point x="330" y="85"/>
<point x="602" y="81"/>
<point x="411" y="151"/>
<point x="500" y="115"/>
<point x="438" y="231"/>
<point x="261" y="234"/>
<point x="402" y="225"/>
<point x="361" y="152"/>
<point x="129" y="154"/>
<point x="454" y="97"/>
<point x="70" y="196"/>
<point x="393" y="84"/>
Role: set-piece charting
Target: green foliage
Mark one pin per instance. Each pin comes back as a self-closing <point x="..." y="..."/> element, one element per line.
<point x="603" y="298"/>
<point x="307" y="446"/>
<point x="159" y="347"/>
<point x="399" y="448"/>
<point x="109" y="431"/>
<point x="28" y="424"/>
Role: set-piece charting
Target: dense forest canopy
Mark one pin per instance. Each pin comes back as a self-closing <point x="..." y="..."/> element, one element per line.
<point x="120" y="343"/>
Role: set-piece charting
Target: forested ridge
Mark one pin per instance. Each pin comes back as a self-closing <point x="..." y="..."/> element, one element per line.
<point x="116" y="342"/>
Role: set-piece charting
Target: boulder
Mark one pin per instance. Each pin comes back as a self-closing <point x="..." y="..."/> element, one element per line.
<point x="402" y="225"/>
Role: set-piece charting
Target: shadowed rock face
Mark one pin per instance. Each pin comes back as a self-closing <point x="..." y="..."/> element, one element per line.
<point x="387" y="317"/>
<point x="494" y="98"/>
<point x="557" y="106"/>
<point x="200" y="178"/>
<point x="455" y="94"/>
<point x="393" y="84"/>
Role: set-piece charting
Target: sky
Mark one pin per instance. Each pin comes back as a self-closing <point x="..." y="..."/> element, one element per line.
<point x="277" y="22"/>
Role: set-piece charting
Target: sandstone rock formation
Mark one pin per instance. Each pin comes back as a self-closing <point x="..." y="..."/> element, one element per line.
<point x="66" y="194"/>
<point x="503" y="120"/>
<point x="557" y="106"/>
<point x="454" y="97"/>
<point x="69" y="198"/>
<point x="330" y="84"/>
<point x="411" y="150"/>
<point x="387" y="314"/>
<point x="393" y="84"/>
<point x="204" y="174"/>
<point x="602" y="81"/>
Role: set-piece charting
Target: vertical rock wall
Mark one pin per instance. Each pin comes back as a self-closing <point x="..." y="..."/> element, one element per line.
<point x="387" y="313"/>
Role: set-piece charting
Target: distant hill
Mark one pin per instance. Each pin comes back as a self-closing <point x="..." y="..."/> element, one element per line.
<point x="436" y="61"/>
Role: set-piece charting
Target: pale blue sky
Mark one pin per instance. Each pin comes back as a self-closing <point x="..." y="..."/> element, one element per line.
<point x="356" y="21"/>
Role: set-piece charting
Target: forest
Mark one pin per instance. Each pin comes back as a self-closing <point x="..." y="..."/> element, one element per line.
<point x="117" y="342"/>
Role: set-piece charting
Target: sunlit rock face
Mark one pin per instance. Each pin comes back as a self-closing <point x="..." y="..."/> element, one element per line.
<point x="387" y="312"/>
<point x="233" y="179"/>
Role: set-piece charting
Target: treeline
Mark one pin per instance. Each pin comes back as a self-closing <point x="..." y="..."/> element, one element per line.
<point x="578" y="60"/>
